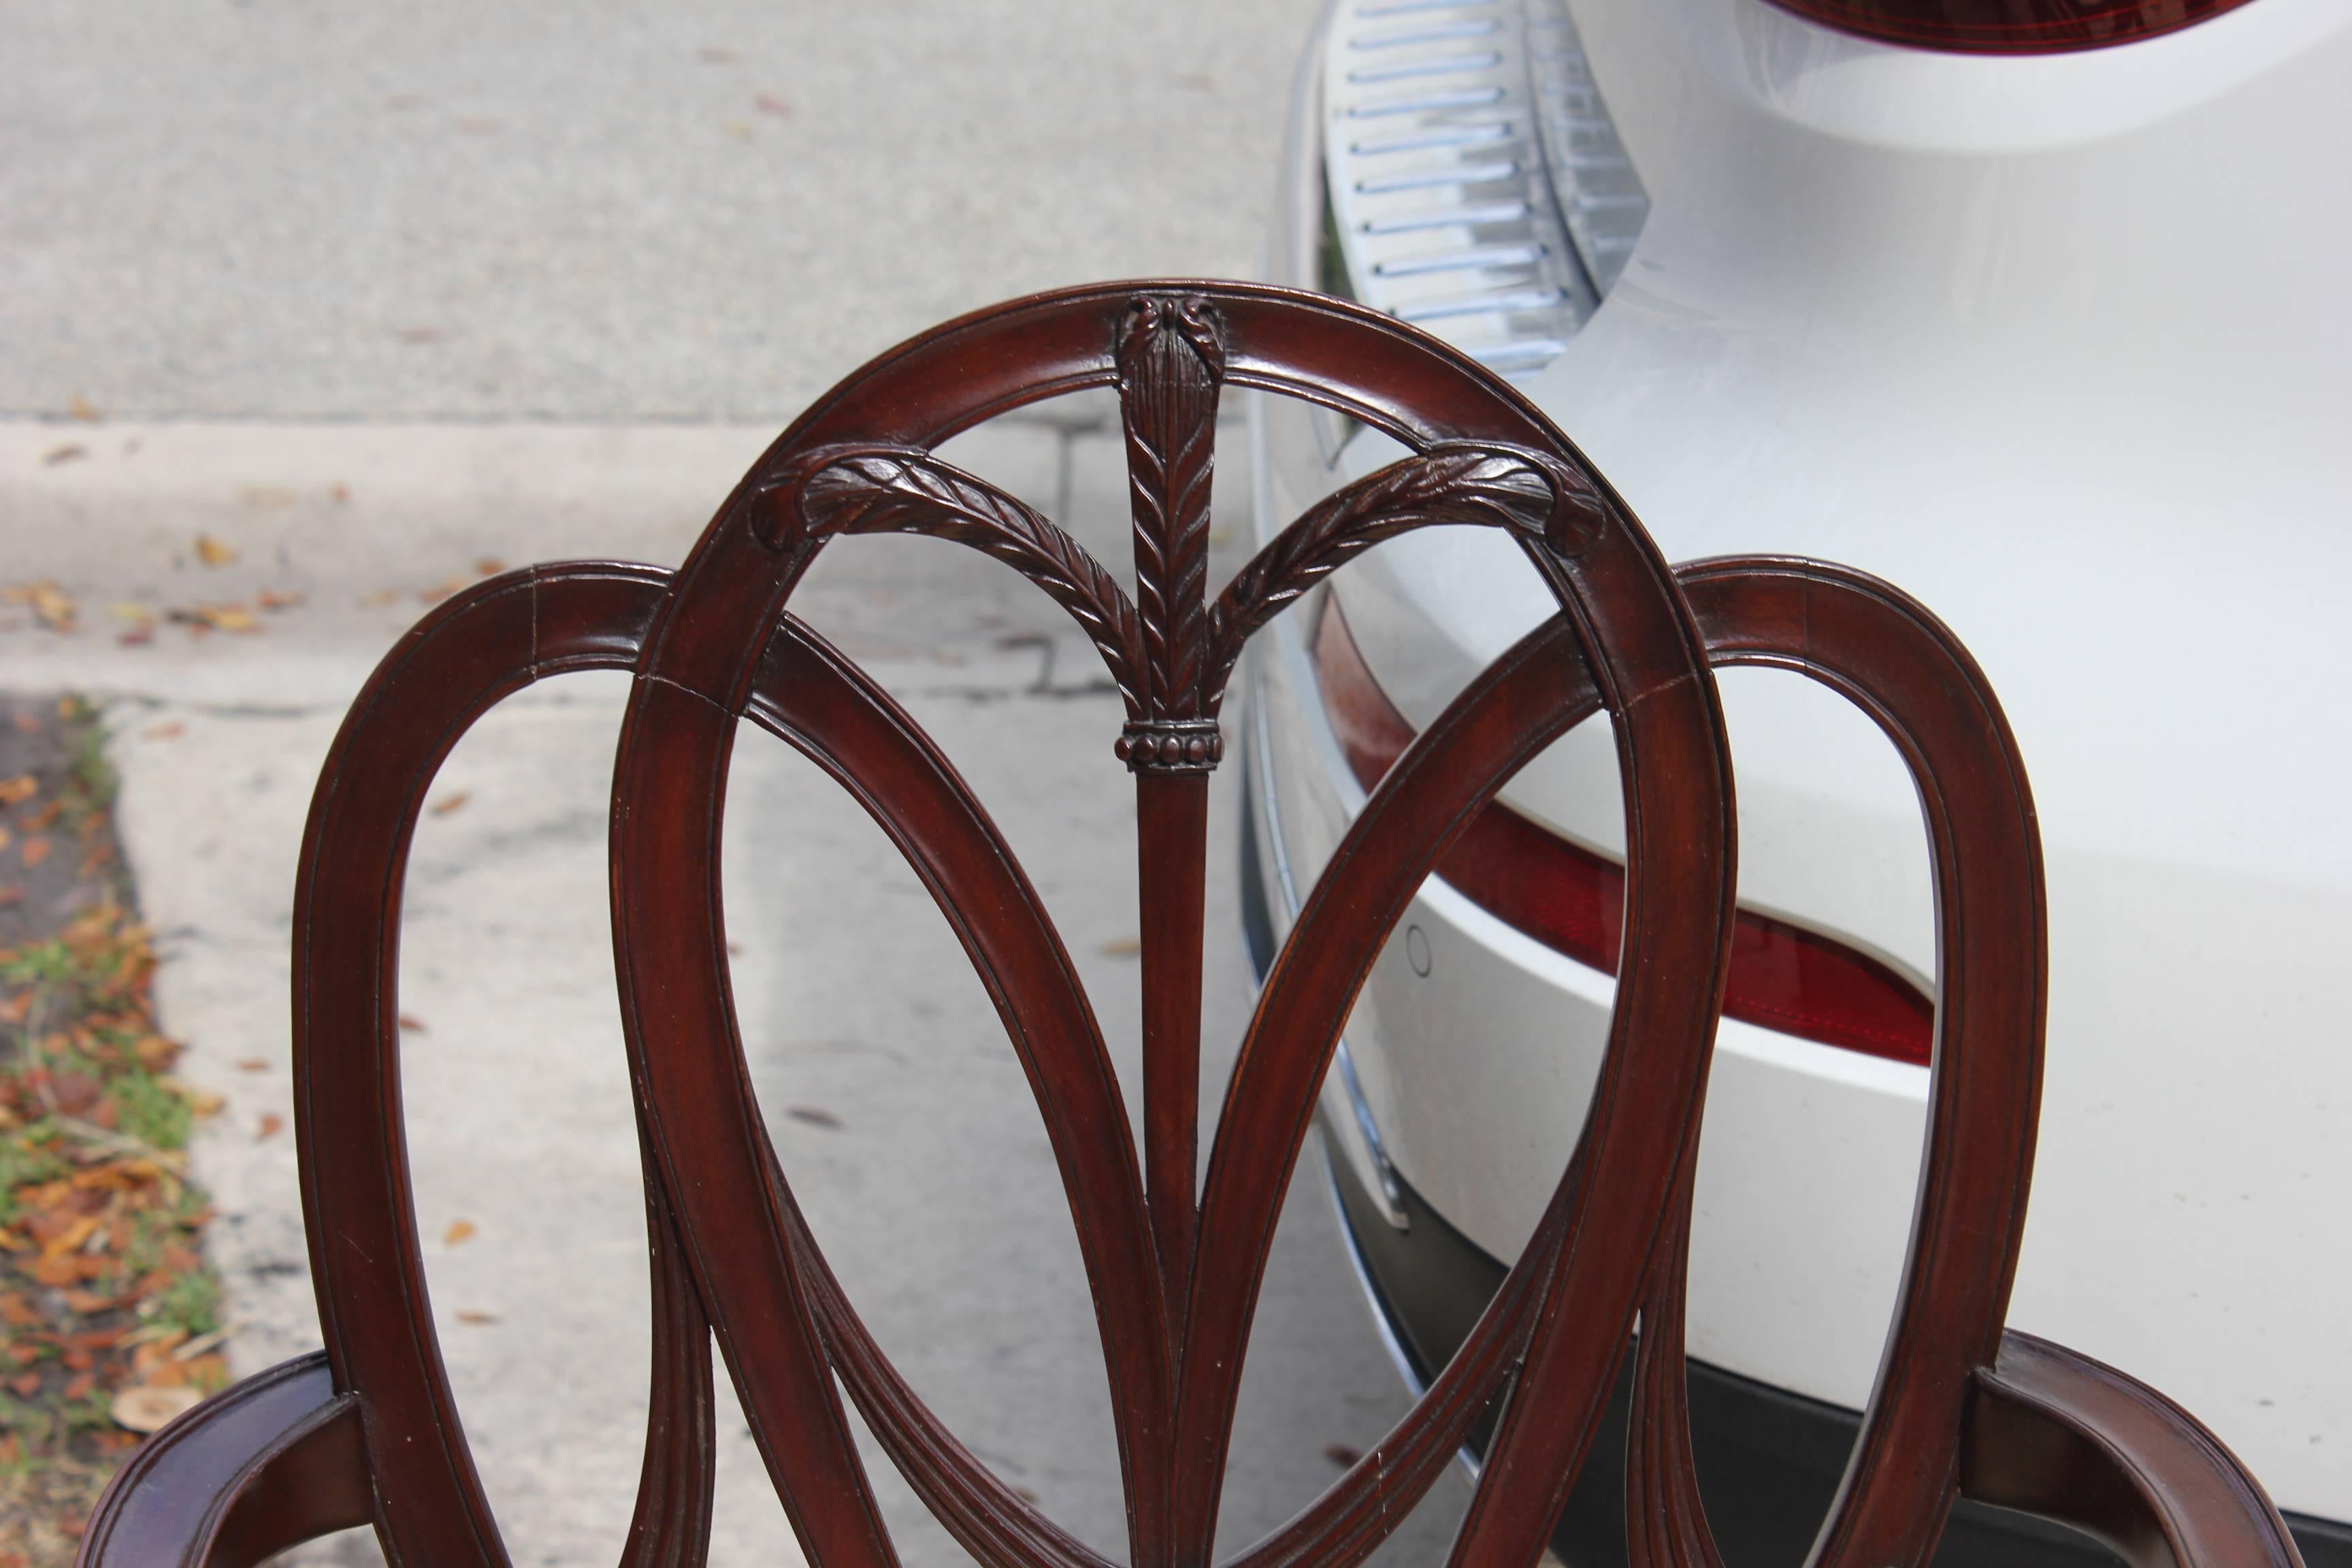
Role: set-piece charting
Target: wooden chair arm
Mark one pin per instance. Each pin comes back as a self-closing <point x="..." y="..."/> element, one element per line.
<point x="2059" y="1434"/>
<point x="272" y="1462"/>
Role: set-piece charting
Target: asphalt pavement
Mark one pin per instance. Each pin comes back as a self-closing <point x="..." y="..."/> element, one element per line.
<point x="378" y="303"/>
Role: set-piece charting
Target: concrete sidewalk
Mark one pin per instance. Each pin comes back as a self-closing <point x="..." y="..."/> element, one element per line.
<point x="898" y="1107"/>
<point x="378" y="301"/>
<point x="587" y="209"/>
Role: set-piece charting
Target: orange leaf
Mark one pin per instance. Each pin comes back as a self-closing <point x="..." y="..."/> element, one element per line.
<point x="54" y="1271"/>
<point x="72" y="1237"/>
<point x="270" y="1125"/>
<point x="460" y="1232"/>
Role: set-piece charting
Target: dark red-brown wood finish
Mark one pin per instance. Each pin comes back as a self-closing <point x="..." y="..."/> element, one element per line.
<point x="369" y="1433"/>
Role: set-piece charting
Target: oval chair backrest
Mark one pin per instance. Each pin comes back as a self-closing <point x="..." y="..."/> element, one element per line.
<point x="1174" y="1270"/>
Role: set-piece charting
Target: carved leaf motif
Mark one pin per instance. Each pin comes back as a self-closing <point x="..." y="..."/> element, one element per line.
<point x="1170" y="365"/>
<point x="909" y="490"/>
<point x="1489" y="487"/>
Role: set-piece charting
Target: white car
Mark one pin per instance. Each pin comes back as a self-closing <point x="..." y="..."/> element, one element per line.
<point x="2043" y="310"/>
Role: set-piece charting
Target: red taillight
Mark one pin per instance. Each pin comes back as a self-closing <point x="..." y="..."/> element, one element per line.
<point x="1572" y="899"/>
<point x="2008" y="26"/>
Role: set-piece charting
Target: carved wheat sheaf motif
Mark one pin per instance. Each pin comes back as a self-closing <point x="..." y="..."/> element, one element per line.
<point x="1526" y="493"/>
<point x="905" y="489"/>
<point x="1171" y="360"/>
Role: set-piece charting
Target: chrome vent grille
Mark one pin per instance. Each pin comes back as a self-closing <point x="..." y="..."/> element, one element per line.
<point x="1477" y="187"/>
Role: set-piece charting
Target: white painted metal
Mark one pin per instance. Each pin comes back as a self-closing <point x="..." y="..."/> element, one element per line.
<point x="2061" y="345"/>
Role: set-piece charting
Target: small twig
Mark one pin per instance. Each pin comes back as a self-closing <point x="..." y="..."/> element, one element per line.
<point x="202" y="1342"/>
<point x="171" y="1162"/>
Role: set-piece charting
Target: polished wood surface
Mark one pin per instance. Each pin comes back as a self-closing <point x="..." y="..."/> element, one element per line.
<point x="1175" y="1266"/>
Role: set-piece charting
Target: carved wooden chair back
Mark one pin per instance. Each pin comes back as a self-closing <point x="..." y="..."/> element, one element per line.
<point x="1174" y="1265"/>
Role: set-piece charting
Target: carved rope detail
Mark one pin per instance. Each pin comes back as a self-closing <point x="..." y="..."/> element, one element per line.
<point x="1530" y="494"/>
<point x="1171" y="360"/>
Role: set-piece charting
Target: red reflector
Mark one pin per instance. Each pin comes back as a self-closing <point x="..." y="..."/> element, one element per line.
<point x="1572" y="899"/>
<point x="2008" y="26"/>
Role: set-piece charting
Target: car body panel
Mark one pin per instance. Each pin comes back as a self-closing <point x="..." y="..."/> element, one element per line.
<point x="2062" y="347"/>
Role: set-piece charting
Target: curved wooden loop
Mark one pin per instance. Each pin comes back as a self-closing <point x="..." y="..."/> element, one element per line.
<point x="822" y="704"/>
<point x="988" y="1518"/>
<point x="1529" y="697"/>
<point x="477" y="649"/>
<point x="1169" y="347"/>
<point x="1520" y="704"/>
<point x="271" y="1463"/>
<point x="1665" y="1518"/>
<point x="1889" y="656"/>
<point x="2059" y="1434"/>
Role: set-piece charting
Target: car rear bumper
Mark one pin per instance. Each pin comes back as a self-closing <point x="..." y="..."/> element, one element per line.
<point x="1769" y="1460"/>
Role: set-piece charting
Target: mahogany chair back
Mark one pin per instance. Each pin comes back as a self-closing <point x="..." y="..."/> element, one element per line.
<point x="1174" y="1265"/>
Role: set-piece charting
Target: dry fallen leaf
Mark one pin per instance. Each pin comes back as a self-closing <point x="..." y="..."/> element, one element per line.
<point x="769" y="103"/>
<point x="27" y="722"/>
<point x="214" y="552"/>
<point x="37" y="849"/>
<point x="413" y="1023"/>
<point x="488" y="566"/>
<point x="479" y="1317"/>
<point x="147" y="1406"/>
<point x="18" y="790"/>
<point x="252" y="1063"/>
<point x="1122" y="947"/>
<point x="460" y="1231"/>
<point x="1341" y="1455"/>
<point x="382" y="597"/>
<point x="171" y="729"/>
<point x="449" y="803"/>
<point x="65" y="453"/>
<point x="201" y="1101"/>
<point x="53" y="608"/>
<point x="814" y="1115"/>
<point x="441" y="591"/>
<point x="273" y="599"/>
<point x="79" y="408"/>
<point x="270" y="1125"/>
<point x="214" y="618"/>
